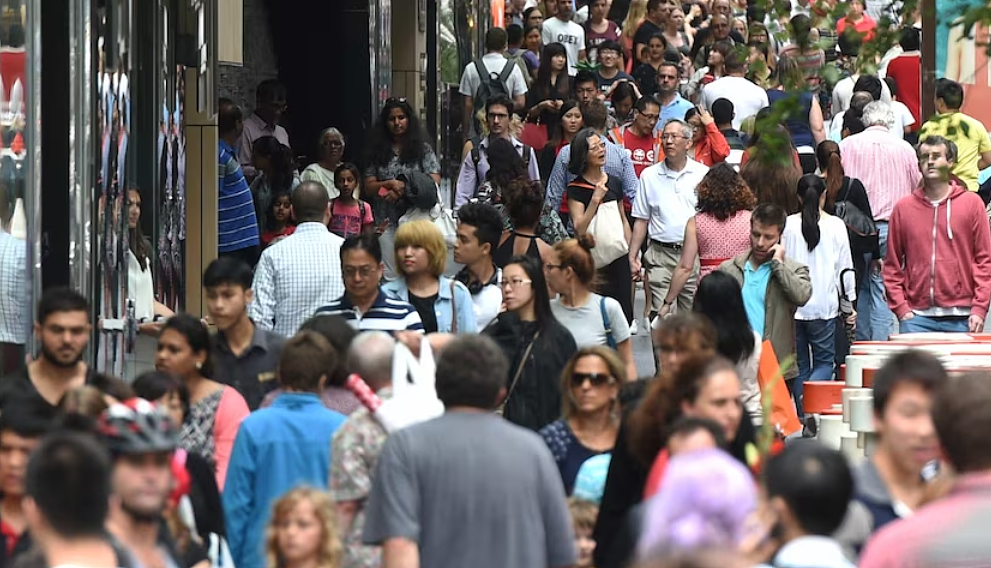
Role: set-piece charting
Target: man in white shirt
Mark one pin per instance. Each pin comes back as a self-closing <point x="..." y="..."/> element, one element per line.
<point x="302" y="272"/>
<point x="560" y="29"/>
<point x="665" y="201"/>
<point x="495" y="62"/>
<point x="747" y="98"/>
<point x="479" y="230"/>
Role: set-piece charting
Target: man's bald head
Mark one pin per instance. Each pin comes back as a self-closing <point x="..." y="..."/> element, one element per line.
<point x="370" y="356"/>
<point x="309" y="202"/>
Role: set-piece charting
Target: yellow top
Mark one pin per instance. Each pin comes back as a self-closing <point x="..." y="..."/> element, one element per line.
<point x="971" y="138"/>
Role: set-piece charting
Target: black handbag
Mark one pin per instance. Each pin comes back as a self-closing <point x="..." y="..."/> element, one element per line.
<point x="859" y="225"/>
<point x="846" y="307"/>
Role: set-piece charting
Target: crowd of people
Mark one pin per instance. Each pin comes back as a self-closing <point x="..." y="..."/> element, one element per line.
<point x="383" y="380"/>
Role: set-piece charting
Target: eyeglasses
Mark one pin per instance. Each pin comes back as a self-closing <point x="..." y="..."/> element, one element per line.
<point x="650" y="116"/>
<point x="514" y="283"/>
<point x="550" y="266"/>
<point x="673" y="136"/>
<point x="595" y="379"/>
<point x="364" y="271"/>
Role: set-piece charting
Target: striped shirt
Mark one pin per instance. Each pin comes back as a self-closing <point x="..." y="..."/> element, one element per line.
<point x="237" y="227"/>
<point x="386" y="314"/>
<point x="885" y="164"/>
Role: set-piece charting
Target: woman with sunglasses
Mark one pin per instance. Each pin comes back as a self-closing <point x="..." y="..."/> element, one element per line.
<point x="537" y="346"/>
<point x="589" y="411"/>
<point x="592" y="319"/>
<point x="330" y="154"/>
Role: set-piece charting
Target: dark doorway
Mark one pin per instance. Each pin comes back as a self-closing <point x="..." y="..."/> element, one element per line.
<point x="322" y="53"/>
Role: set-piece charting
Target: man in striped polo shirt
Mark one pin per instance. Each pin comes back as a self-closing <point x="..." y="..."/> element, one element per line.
<point x="364" y="305"/>
<point x="237" y="227"/>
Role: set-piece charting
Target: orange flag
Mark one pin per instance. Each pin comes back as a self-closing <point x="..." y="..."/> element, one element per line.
<point x="782" y="413"/>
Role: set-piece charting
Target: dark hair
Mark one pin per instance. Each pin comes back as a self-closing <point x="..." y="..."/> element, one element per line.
<point x="869" y="84"/>
<point x="541" y="297"/>
<point x="26" y="416"/>
<point x="610" y="45"/>
<point x="688" y="425"/>
<point x="828" y="157"/>
<point x="363" y="241"/>
<point x="227" y="270"/>
<point x="579" y="151"/>
<point x="770" y="171"/>
<point x="307" y="359"/>
<point x="961" y="413"/>
<point x="112" y="386"/>
<point x="911" y="366"/>
<point x="270" y="90"/>
<point x="485" y="219"/>
<point x="642" y="102"/>
<point x="197" y="336"/>
<point x="153" y="385"/>
<point x="853" y="118"/>
<point x="496" y="39"/>
<point x="584" y="76"/>
<point x="524" y="201"/>
<point x="909" y="39"/>
<point x="60" y="299"/>
<point x="542" y="83"/>
<point x="556" y="130"/>
<point x="769" y="214"/>
<point x="347" y="167"/>
<point x="720" y="298"/>
<point x="68" y="478"/>
<point x="270" y="214"/>
<point x="526" y="16"/>
<point x="691" y="113"/>
<point x="801" y="28"/>
<point x="722" y="111"/>
<point x="935" y="140"/>
<point x="849" y="42"/>
<point x="505" y="163"/>
<point x="576" y="254"/>
<point x="514" y="34"/>
<point x="723" y="193"/>
<point x="339" y="334"/>
<point x="228" y="115"/>
<point x="892" y="86"/>
<point x="735" y="59"/>
<point x="281" y="159"/>
<point x="136" y="240"/>
<point x="471" y="371"/>
<point x="810" y="189"/>
<point x="413" y="145"/>
<point x="595" y="114"/>
<point x="654" y="4"/>
<point x="499" y="100"/>
<point x="309" y="202"/>
<point x="814" y="481"/>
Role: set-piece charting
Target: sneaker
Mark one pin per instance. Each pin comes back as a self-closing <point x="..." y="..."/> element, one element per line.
<point x="634" y="327"/>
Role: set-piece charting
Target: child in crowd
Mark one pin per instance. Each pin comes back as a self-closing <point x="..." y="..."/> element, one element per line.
<point x="303" y="531"/>
<point x="349" y="215"/>
<point x="280" y="223"/>
<point x="583" y="515"/>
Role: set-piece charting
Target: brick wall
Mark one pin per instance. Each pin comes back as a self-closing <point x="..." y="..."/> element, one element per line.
<point x="237" y="82"/>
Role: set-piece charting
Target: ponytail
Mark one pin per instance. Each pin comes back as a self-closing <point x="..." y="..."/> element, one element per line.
<point x="828" y="157"/>
<point x="810" y="188"/>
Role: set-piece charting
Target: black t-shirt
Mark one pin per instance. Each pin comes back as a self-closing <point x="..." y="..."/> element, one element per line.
<point x="646" y="31"/>
<point x="18" y="385"/>
<point x="425" y="307"/>
<point x="584" y="194"/>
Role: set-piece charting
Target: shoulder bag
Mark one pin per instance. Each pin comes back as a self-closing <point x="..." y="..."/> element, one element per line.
<point x="516" y="378"/>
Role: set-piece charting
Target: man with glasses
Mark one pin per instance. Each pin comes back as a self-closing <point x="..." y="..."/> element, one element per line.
<point x="638" y="137"/>
<point x="673" y="105"/>
<point x="270" y="103"/>
<point x="364" y="305"/>
<point x="664" y="203"/>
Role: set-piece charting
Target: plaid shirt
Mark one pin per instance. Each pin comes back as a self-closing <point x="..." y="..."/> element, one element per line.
<point x="13" y="294"/>
<point x="295" y="277"/>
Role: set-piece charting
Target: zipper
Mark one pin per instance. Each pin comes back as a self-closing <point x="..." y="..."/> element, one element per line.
<point x="932" y="262"/>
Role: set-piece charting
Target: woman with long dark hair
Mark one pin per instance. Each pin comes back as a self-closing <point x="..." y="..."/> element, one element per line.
<point x="551" y="87"/>
<point x="569" y="122"/>
<point x="398" y="146"/>
<point x="720" y="299"/>
<point x="140" y="286"/>
<point x="820" y="241"/>
<point x="276" y="169"/>
<point x="840" y="187"/>
<point x="645" y="74"/>
<point x="537" y="345"/>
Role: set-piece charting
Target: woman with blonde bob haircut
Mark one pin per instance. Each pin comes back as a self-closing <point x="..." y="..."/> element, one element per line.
<point x="309" y="515"/>
<point x="444" y="304"/>
<point x="589" y="408"/>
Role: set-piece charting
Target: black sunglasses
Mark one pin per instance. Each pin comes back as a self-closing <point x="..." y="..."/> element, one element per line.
<point x="596" y="379"/>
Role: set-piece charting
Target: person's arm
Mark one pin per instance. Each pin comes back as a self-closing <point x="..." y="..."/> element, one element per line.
<point x="581" y="216"/>
<point x="981" y="270"/>
<point x="238" y="499"/>
<point x="985" y="149"/>
<point x="262" y="308"/>
<point x="582" y="56"/>
<point x="350" y="479"/>
<point x="231" y="411"/>
<point x="895" y="282"/>
<point x="625" y="350"/>
<point x="400" y="553"/>
<point x="796" y="285"/>
<point x="555" y="517"/>
<point x="636" y="242"/>
<point x="467" y="181"/>
<point x="373" y="185"/>
<point x="558" y="181"/>
<point x="629" y="176"/>
<point x="718" y="146"/>
<point x="816" y="122"/>
<point x="469" y="102"/>
<point x="686" y="265"/>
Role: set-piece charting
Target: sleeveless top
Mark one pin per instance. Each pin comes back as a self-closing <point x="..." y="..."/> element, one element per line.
<point x="720" y="241"/>
<point x="504" y="253"/>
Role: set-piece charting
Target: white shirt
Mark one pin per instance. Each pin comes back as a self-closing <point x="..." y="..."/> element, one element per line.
<point x="140" y="287"/>
<point x="667" y="199"/>
<point x="568" y="34"/>
<point x="903" y="118"/>
<point x="295" y="277"/>
<point x="843" y="92"/>
<point x="825" y="262"/>
<point x="488" y="302"/>
<point x="747" y="98"/>
<point x="494" y="63"/>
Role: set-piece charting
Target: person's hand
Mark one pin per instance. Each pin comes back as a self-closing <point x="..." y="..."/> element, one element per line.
<point x="600" y="190"/>
<point x="907" y="317"/>
<point x="411" y="339"/>
<point x="705" y="117"/>
<point x="694" y="12"/>
<point x="851" y="319"/>
<point x="665" y="311"/>
<point x="635" y="268"/>
<point x="557" y="104"/>
<point x="778" y="252"/>
<point x="975" y="324"/>
<point x="381" y="227"/>
<point x="876" y="266"/>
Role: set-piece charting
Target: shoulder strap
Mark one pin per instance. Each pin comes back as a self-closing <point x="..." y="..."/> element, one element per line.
<point x="847" y="182"/>
<point x="507" y="70"/>
<point x="483" y="73"/>
<point x="519" y="371"/>
<point x="454" y="310"/>
<point x="605" y="323"/>
<point x="617" y="134"/>
<point x="526" y="155"/>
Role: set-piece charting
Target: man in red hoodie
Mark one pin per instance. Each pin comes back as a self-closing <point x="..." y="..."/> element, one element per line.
<point x="938" y="269"/>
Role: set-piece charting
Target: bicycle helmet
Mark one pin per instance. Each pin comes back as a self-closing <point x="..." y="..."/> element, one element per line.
<point x="137" y="426"/>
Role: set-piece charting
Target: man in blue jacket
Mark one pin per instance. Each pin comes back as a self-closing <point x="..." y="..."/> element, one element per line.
<point x="280" y="447"/>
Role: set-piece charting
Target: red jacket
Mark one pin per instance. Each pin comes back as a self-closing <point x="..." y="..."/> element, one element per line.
<point x="712" y="149"/>
<point x="939" y="256"/>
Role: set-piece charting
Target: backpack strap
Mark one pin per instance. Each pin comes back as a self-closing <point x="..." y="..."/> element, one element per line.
<point x="617" y="134"/>
<point x="605" y="323"/>
<point x="483" y="73"/>
<point x="507" y="71"/>
<point x="526" y="155"/>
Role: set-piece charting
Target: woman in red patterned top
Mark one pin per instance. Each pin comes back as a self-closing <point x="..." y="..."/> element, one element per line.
<point x="718" y="232"/>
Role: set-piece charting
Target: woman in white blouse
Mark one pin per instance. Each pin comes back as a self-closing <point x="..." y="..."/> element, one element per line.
<point x="819" y="241"/>
<point x="140" y="287"/>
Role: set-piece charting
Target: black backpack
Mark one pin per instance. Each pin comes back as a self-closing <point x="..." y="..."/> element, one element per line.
<point x="491" y="84"/>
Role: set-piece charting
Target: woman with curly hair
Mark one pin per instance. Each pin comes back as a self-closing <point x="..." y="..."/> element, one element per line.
<point x="766" y="169"/>
<point x="529" y="221"/>
<point x="718" y="232"/>
<point x="398" y="146"/>
<point x="303" y="531"/>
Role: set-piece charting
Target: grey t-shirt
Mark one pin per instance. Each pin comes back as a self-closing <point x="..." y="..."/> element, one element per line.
<point x="586" y="325"/>
<point x="471" y="489"/>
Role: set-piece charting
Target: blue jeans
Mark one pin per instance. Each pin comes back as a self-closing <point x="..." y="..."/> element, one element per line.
<point x="875" y="322"/>
<point x="816" y="352"/>
<point x="922" y="324"/>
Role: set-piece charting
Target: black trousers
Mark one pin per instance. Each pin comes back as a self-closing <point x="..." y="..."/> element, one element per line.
<point x="615" y="282"/>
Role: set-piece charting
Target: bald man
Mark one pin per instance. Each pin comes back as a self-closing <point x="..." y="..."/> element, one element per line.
<point x="302" y="272"/>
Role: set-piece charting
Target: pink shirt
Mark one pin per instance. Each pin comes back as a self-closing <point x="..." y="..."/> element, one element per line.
<point x="255" y="128"/>
<point x="886" y="164"/>
<point x="230" y="412"/>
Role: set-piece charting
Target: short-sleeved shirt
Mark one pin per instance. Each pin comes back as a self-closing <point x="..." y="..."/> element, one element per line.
<point x="349" y="220"/>
<point x="667" y="199"/>
<point x="252" y="373"/>
<point x="971" y="138"/>
<point x="643" y="34"/>
<point x="568" y="34"/>
<point x="593" y="39"/>
<point x="386" y="314"/>
<point x="17" y="386"/>
<point x="494" y="63"/>
<point x="755" y="282"/>
<point x="444" y="485"/>
<point x="585" y="322"/>
<point x="584" y="195"/>
<point x="237" y="227"/>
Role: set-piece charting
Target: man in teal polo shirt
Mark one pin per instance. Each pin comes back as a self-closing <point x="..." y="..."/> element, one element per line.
<point x="773" y="286"/>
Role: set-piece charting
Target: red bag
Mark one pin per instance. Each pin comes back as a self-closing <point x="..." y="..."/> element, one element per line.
<point x="534" y="135"/>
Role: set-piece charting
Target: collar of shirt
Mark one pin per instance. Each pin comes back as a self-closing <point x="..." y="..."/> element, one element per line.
<point x="516" y="143"/>
<point x="226" y="147"/>
<point x="347" y="304"/>
<point x="825" y="550"/>
<point x="691" y="166"/>
<point x="261" y="124"/>
<point x="297" y="400"/>
<point x="310" y="227"/>
<point x="972" y="483"/>
<point x="749" y="267"/>
<point x="399" y="286"/>
<point x="259" y="339"/>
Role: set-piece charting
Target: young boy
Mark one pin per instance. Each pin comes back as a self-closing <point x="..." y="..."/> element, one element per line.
<point x="583" y="515"/>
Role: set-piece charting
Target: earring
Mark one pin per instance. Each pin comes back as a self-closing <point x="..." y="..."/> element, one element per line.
<point x="199" y="365"/>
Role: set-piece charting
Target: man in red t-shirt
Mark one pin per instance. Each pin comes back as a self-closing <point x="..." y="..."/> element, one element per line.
<point x="638" y="136"/>
<point x="906" y="70"/>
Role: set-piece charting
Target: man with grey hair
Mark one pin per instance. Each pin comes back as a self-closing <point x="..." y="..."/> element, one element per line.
<point x="889" y="170"/>
<point x="357" y="446"/>
<point x="665" y="202"/>
<point x="444" y="489"/>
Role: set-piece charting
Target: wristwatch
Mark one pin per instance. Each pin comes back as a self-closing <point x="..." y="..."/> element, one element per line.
<point x="667" y="303"/>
